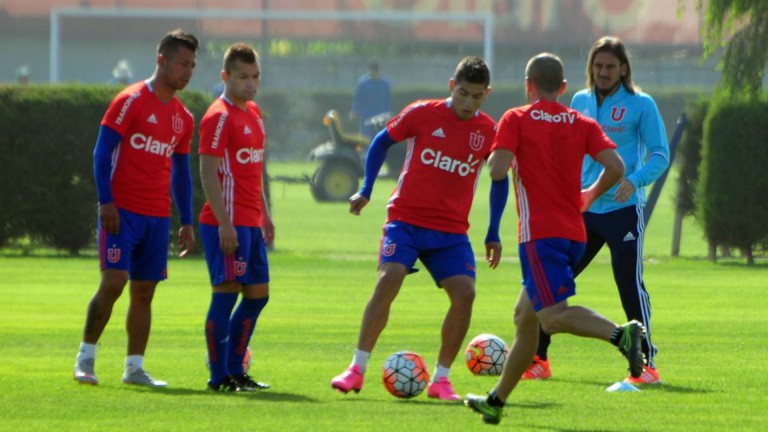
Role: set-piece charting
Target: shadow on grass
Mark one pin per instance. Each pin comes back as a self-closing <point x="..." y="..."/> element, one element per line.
<point x="550" y="428"/>
<point x="761" y="261"/>
<point x="449" y="405"/>
<point x="674" y="389"/>
<point x="663" y="387"/>
<point x="262" y="395"/>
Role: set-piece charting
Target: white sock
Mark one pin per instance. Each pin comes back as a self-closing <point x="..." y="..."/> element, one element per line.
<point x="440" y="372"/>
<point x="361" y="359"/>
<point x="86" y="351"/>
<point x="133" y="363"/>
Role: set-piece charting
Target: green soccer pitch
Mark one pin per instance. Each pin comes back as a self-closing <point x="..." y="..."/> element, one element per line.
<point x="708" y="322"/>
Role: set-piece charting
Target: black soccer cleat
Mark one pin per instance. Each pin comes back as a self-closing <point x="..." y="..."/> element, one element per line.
<point x="246" y="383"/>
<point x="227" y="385"/>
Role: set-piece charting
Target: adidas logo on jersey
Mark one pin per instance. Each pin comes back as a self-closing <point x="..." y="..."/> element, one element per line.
<point x="629" y="237"/>
<point x="152" y="119"/>
<point x="438" y="133"/>
<point x="246" y="130"/>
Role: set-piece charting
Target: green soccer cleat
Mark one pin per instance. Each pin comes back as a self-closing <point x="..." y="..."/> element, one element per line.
<point x="632" y="335"/>
<point x="479" y="404"/>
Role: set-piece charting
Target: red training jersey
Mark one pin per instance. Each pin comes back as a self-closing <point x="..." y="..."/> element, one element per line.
<point x="237" y="137"/>
<point x="151" y="131"/>
<point x="549" y="141"/>
<point x="442" y="163"/>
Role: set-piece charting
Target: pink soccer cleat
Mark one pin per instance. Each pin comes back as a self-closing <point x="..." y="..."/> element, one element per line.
<point x="443" y="390"/>
<point x="350" y="379"/>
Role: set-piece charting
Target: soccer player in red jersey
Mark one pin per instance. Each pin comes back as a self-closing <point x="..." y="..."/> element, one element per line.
<point x="235" y="225"/>
<point x="545" y="143"/>
<point x="631" y="119"/>
<point x="427" y="215"/>
<point x="142" y="151"/>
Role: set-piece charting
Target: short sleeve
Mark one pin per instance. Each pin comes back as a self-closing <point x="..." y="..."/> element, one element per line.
<point x="402" y="127"/>
<point x="508" y="133"/>
<point x="597" y="140"/>
<point x="214" y="134"/>
<point x="122" y="111"/>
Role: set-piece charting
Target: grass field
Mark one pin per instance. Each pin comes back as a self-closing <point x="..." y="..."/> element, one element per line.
<point x="709" y="324"/>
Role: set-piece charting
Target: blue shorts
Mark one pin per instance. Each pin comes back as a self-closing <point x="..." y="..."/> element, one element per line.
<point x="443" y="254"/>
<point x="248" y="265"/>
<point x="548" y="270"/>
<point x="141" y="248"/>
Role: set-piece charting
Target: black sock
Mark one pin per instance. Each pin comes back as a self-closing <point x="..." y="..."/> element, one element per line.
<point x="616" y="336"/>
<point x="494" y="401"/>
<point x="544" y="341"/>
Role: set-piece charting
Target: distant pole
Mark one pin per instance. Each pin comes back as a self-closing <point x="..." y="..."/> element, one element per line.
<point x="53" y="64"/>
<point x="265" y="31"/>
<point x="656" y="190"/>
<point x="677" y="232"/>
<point x="677" y="227"/>
<point x="488" y="42"/>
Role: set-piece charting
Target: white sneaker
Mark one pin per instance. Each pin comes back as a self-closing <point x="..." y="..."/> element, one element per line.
<point x="84" y="373"/>
<point x="142" y="377"/>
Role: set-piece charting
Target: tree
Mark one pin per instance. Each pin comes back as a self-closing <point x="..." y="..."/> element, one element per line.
<point x="743" y="65"/>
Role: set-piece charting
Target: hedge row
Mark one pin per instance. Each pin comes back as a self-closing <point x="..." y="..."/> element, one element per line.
<point x="732" y="205"/>
<point x="48" y="134"/>
<point x="689" y="157"/>
<point x="46" y="151"/>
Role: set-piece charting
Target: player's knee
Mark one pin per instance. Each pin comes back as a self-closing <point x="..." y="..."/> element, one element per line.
<point x="142" y="297"/>
<point x="142" y="293"/>
<point x="111" y="285"/>
<point x="385" y="292"/>
<point x="524" y="318"/>
<point x="548" y="328"/>
<point x="550" y="324"/>
<point x="114" y="278"/>
<point x="465" y="296"/>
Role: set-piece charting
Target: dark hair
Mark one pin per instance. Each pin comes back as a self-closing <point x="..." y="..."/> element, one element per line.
<point x="545" y="71"/>
<point x="615" y="46"/>
<point x="174" y="40"/>
<point x="373" y="65"/>
<point x="474" y="70"/>
<point x="239" y="51"/>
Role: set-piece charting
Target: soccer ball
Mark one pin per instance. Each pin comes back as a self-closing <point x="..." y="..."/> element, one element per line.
<point x="405" y="374"/>
<point x="247" y="361"/>
<point x="485" y="355"/>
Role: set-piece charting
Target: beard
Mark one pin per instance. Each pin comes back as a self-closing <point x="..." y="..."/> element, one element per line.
<point x="608" y="90"/>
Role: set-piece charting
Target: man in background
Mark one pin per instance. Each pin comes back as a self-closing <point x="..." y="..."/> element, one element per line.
<point x="373" y="96"/>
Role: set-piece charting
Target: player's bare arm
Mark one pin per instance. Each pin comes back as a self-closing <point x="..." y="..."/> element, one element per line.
<point x="356" y="203"/>
<point x="209" y="167"/>
<point x="109" y="218"/>
<point x="267" y="227"/>
<point x="499" y="162"/>
<point x="613" y="170"/>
